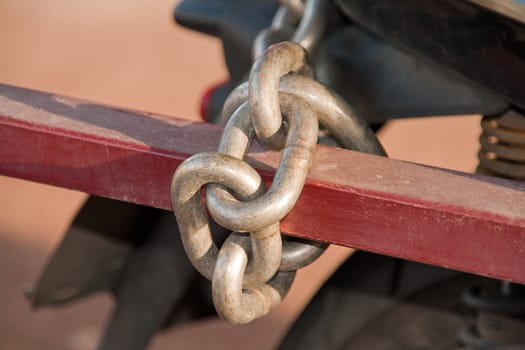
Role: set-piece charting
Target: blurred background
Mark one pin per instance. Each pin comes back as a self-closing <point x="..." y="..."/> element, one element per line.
<point x="132" y="54"/>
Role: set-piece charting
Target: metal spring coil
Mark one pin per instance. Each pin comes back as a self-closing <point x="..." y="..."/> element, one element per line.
<point x="503" y="146"/>
<point x="501" y="321"/>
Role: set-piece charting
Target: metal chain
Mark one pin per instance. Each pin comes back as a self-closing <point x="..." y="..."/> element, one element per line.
<point x="282" y="106"/>
<point x="302" y="23"/>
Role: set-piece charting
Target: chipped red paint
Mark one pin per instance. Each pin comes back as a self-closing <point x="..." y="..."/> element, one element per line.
<point x="437" y="216"/>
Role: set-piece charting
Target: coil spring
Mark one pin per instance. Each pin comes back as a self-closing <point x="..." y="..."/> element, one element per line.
<point x="503" y="146"/>
<point x="501" y="305"/>
<point x="501" y="321"/>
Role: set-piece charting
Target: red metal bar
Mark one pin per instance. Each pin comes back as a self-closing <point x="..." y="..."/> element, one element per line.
<point x="437" y="216"/>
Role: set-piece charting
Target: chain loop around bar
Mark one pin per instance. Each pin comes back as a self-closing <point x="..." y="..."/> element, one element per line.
<point x="342" y="124"/>
<point x="234" y="300"/>
<point x="296" y="159"/>
<point x="332" y="111"/>
<point x="282" y="105"/>
<point x="225" y="209"/>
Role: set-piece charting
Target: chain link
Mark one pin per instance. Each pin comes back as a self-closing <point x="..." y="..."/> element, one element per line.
<point x="282" y="106"/>
<point x="193" y="222"/>
<point x="302" y="23"/>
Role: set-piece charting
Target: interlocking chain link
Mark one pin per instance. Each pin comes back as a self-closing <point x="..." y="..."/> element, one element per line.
<point x="281" y="105"/>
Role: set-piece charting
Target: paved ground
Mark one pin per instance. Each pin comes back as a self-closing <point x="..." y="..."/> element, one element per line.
<point x="131" y="54"/>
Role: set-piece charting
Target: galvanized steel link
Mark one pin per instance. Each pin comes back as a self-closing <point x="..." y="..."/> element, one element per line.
<point x="280" y="59"/>
<point x="237" y="282"/>
<point x="336" y="116"/>
<point x="234" y="298"/>
<point x="332" y="111"/>
<point x="280" y="105"/>
<point x="227" y="211"/>
<point x="302" y="23"/>
<point x="193" y="222"/>
<point x="234" y="303"/>
<point x="289" y="179"/>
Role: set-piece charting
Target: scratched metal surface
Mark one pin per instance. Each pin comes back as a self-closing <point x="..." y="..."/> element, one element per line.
<point x="417" y="212"/>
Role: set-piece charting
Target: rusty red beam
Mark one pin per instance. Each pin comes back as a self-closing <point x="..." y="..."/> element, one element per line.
<point x="436" y="216"/>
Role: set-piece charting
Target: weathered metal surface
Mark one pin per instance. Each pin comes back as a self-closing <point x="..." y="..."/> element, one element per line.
<point x="246" y="277"/>
<point x="335" y="116"/>
<point x="437" y="216"/>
